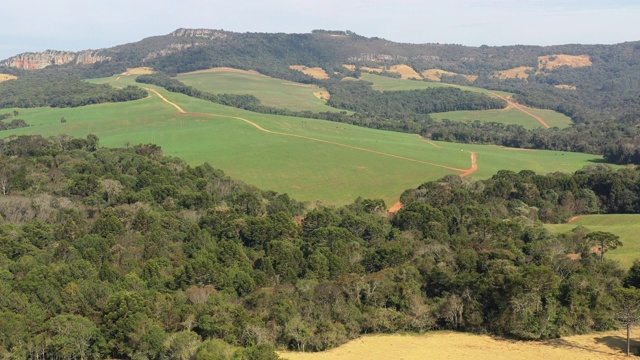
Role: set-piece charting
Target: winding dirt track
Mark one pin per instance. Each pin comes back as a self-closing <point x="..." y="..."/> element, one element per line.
<point x="474" y="167"/>
<point x="394" y="208"/>
<point x="515" y="105"/>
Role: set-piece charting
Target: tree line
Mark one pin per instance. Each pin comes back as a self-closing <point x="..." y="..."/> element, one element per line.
<point x="126" y="253"/>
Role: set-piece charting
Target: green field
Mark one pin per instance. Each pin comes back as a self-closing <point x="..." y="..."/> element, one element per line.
<point x="309" y="159"/>
<point x="625" y="226"/>
<point x="271" y="91"/>
<point x="507" y="116"/>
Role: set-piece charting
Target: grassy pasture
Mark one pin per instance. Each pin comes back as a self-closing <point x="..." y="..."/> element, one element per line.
<point x="452" y="345"/>
<point x="506" y="116"/>
<point x="309" y="159"/>
<point x="271" y="91"/>
<point x="626" y="226"/>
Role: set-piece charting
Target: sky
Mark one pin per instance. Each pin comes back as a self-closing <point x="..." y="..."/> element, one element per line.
<point x="37" y="25"/>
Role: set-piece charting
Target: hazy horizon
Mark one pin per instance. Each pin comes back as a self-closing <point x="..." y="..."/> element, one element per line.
<point x="73" y="25"/>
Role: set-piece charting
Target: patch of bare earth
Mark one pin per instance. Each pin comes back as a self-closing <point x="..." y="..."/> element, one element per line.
<point x="453" y="345"/>
<point x="565" y="87"/>
<point x="520" y="72"/>
<point x="6" y="77"/>
<point x="437" y="74"/>
<point x="406" y="72"/>
<point x="314" y="72"/>
<point x="551" y="62"/>
<point x="138" y="71"/>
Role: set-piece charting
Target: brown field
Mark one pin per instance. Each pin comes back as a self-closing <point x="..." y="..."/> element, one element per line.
<point x="405" y="71"/>
<point x="551" y="62"/>
<point x="436" y="75"/>
<point x="515" y="73"/>
<point x="5" y="77"/>
<point x="566" y="87"/>
<point x="372" y="70"/>
<point x="224" y="69"/>
<point x="138" y="71"/>
<point x="322" y="95"/>
<point x="452" y="345"/>
<point x="315" y="72"/>
<point x="350" y="67"/>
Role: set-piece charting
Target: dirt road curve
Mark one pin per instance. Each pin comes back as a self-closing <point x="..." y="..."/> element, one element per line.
<point x="515" y="105"/>
<point x="396" y="207"/>
<point x="474" y="167"/>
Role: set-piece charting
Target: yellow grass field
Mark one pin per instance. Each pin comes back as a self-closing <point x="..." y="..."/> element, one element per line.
<point x="315" y="72"/>
<point x="138" y="71"/>
<point x="5" y="77"/>
<point x="350" y="67"/>
<point x="551" y="62"/>
<point x="372" y="70"/>
<point x="515" y="73"/>
<point x="436" y="75"/>
<point x="405" y="71"/>
<point x="452" y="345"/>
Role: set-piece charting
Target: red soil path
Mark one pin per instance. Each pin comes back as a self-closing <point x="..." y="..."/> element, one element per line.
<point x="474" y="167"/>
<point x="512" y="104"/>
<point x="394" y="208"/>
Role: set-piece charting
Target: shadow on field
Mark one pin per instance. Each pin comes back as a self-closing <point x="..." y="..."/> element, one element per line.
<point x="619" y="343"/>
<point x="561" y="343"/>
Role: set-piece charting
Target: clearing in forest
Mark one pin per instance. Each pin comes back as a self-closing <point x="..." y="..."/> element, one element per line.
<point x="551" y="62"/>
<point x="521" y="72"/>
<point x="453" y="345"/>
<point x="566" y="87"/>
<point x="627" y="226"/>
<point x="270" y="91"/>
<point x="437" y="74"/>
<point x="314" y="72"/>
<point x="138" y="71"/>
<point x="406" y="72"/>
<point x="5" y="77"/>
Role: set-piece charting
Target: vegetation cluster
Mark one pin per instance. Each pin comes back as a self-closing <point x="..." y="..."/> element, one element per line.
<point x="126" y="253"/>
<point x="57" y="89"/>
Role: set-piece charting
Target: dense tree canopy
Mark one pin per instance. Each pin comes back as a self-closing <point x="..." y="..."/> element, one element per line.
<point x="127" y="253"/>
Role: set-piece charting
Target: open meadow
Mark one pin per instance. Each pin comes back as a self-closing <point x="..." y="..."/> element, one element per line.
<point x="312" y="160"/>
<point x="271" y="91"/>
<point x="627" y="226"/>
<point x="510" y="115"/>
<point x="452" y="345"/>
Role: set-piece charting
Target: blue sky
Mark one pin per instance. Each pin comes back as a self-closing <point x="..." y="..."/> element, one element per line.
<point x="36" y="25"/>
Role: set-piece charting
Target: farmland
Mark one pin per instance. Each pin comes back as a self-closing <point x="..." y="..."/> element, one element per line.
<point x="451" y="345"/>
<point x="271" y="92"/>
<point x="301" y="158"/>
<point x="627" y="226"/>
<point x="510" y="115"/>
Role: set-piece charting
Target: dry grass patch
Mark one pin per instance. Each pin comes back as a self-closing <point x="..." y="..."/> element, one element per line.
<point x="566" y="87"/>
<point x="551" y="62"/>
<point x="515" y="73"/>
<point x="377" y="70"/>
<point x="350" y="67"/>
<point x="322" y="95"/>
<point x="436" y="75"/>
<point x="6" y="77"/>
<point x="451" y="345"/>
<point x="314" y="72"/>
<point x="138" y="71"/>
<point x="406" y="72"/>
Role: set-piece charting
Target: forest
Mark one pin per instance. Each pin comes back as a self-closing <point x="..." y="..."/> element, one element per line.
<point x="129" y="254"/>
<point x="58" y="89"/>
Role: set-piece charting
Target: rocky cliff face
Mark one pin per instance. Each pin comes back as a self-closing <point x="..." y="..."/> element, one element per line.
<point x="201" y="33"/>
<point x="33" y="61"/>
